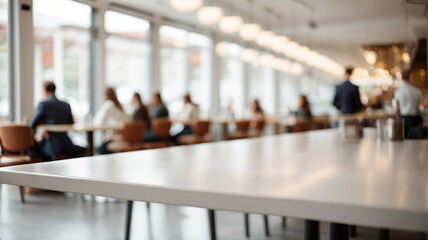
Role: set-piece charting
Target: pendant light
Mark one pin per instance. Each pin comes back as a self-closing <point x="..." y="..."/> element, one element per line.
<point x="249" y="31"/>
<point x="186" y="5"/>
<point x="210" y="14"/>
<point x="230" y="24"/>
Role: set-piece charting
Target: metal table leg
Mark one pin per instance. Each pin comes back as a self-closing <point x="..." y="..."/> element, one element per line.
<point x="247" y="224"/>
<point x="353" y="231"/>
<point x="211" y="219"/>
<point x="90" y="139"/>
<point x="128" y="220"/>
<point x="339" y="231"/>
<point x="383" y="234"/>
<point x="312" y="230"/>
<point x="284" y="223"/>
<point x="266" y="221"/>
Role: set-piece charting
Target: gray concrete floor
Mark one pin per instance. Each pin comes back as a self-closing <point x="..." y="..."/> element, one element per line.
<point x="66" y="216"/>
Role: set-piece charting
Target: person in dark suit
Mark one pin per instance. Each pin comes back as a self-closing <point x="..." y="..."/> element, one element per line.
<point x="54" y="111"/>
<point x="347" y="96"/>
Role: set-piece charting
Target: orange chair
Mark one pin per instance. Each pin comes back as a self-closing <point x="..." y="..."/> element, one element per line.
<point x="302" y="125"/>
<point x="15" y="141"/>
<point x="242" y="127"/>
<point x="132" y="136"/>
<point x="200" y="129"/>
<point x="257" y="126"/>
<point x="160" y="128"/>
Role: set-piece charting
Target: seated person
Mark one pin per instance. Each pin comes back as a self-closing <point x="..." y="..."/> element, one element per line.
<point x="157" y="109"/>
<point x="189" y="114"/>
<point x="110" y="113"/>
<point x="303" y="108"/>
<point x="54" y="144"/>
<point x="140" y="111"/>
<point x="256" y="112"/>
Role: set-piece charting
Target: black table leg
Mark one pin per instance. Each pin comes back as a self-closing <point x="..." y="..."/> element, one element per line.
<point x="339" y="231"/>
<point x="128" y="220"/>
<point x="383" y="234"/>
<point x="247" y="224"/>
<point x="211" y="219"/>
<point x="284" y="223"/>
<point x="21" y="192"/>
<point x="312" y="230"/>
<point x="90" y="139"/>
<point x="353" y="231"/>
<point x="266" y="220"/>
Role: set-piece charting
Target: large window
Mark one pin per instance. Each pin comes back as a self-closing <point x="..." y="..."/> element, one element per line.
<point x="231" y="83"/>
<point x="261" y="88"/>
<point x="4" y="82"/>
<point x="185" y="68"/>
<point x="128" y="55"/>
<point x="62" y="55"/>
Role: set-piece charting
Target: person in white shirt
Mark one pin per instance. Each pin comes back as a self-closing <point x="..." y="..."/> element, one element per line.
<point x="188" y="115"/>
<point x="410" y="101"/>
<point x="110" y="113"/>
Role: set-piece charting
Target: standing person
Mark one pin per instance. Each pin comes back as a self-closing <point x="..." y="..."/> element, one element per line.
<point x="53" y="111"/>
<point x="410" y="100"/>
<point x="157" y="109"/>
<point x="110" y="113"/>
<point x="189" y="114"/>
<point x="347" y="96"/>
<point x="140" y="112"/>
<point x="304" y="108"/>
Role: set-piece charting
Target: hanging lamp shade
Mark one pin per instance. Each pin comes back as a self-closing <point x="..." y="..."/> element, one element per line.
<point x="230" y="24"/>
<point x="278" y="43"/>
<point x="249" y="55"/>
<point x="264" y="38"/>
<point x="186" y="5"/>
<point x="210" y="15"/>
<point x="249" y="31"/>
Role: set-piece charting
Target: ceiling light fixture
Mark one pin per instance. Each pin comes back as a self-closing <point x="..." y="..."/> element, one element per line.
<point x="210" y="15"/>
<point x="230" y="24"/>
<point x="186" y="5"/>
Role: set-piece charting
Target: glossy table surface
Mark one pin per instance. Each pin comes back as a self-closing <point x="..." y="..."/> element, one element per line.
<point x="315" y="175"/>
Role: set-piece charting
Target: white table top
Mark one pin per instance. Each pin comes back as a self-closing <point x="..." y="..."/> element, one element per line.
<point x="314" y="175"/>
<point x="78" y="127"/>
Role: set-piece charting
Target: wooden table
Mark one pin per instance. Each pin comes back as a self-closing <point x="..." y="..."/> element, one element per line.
<point x="315" y="175"/>
<point x="88" y="128"/>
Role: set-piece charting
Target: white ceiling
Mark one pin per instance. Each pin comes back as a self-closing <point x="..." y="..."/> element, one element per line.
<point x="343" y="26"/>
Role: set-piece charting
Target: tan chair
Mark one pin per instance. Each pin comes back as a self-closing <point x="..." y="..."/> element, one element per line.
<point x="242" y="127"/>
<point x="131" y="139"/>
<point x="200" y="130"/>
<point x="15" y="141"/>
<point x="160" y="128"/>
<point x="257" y="126"/>
<point x="302" y="125"/>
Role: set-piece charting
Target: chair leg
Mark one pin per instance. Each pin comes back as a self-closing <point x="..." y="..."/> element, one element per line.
<point x="247" y="224"/>
<point x="128" y="220"/>
<point x="284" y="223"/>
<point x="21" y="192"/>
<point x="312" y="230"/>
<point x="266" y="220"/>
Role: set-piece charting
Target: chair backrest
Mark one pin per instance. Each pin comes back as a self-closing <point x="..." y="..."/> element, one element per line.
<point x="161" y="127"/>
<point x="15" y="138"/>
<point x="201" y="127"/>
<point x="242" y="125"/>
<point x="301" y="125"/>
<point x="133" y="132"/>
<point x="258" y="124"/>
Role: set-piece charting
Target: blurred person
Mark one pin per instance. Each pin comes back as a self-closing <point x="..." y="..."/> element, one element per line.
<point x="53" y="111"/>
<point x="188" y="115"/>
<point x="140" y="111"/>
<point x="110" y="113"/>
<point x="256" y="111"/>
<point x="410" y="101"/>
<point x="304" y="108"/>
<point x="347" y="96"/>
<point x="157" y="109"/>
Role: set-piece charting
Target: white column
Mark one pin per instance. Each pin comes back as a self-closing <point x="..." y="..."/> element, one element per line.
<point x="155" y="79"/>
<point x="98" y="57"/>
<point x="246" y="78"/>
<point x="215" y="78"/>
<point x="276" y="93"/>
<point x="22" y="50"/>
<point x="58" y="63"/>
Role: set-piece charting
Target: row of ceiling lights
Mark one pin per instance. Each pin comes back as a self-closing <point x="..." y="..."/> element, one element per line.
<point x="211" y="15"/>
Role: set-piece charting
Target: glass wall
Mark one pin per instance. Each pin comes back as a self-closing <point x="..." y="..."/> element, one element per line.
<point x="261" y="88"/>
<point x="185" y="68"/>
<point x="231" y="82"/>
<point x="127" y="55"/>
<point x="62" y="54"/>
<point x="289" y="91"/>
<point x="4" y="82"/>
